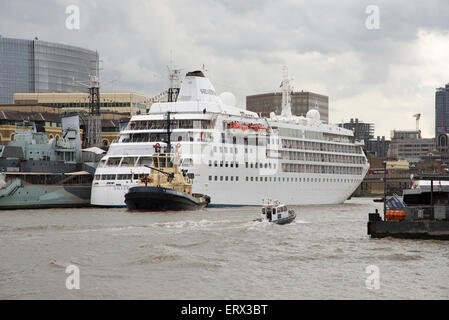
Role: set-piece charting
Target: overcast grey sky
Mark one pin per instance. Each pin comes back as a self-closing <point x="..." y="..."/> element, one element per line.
<point x="381" y="75"/>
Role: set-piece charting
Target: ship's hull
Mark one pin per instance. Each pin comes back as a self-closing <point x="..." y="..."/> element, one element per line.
<point x="161" y="199"/>
<point x="46" y="196"/>
<point x="241" y="193"/>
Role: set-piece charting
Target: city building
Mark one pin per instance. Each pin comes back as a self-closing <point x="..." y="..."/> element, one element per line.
<point x="121" y="102"/>
<point x="409" y="145"/>
<point x="374" y="147"/>
<point x="377" y="147"/>
<point x="301" y="102"/>
<point x="40" y="66"/>
<point x="362" y="131"/>
<point x="442" y="110"/>
<point x="397" y="176"/>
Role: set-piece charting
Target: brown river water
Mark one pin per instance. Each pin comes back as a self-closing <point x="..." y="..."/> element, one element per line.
<point x="214" y="253"/>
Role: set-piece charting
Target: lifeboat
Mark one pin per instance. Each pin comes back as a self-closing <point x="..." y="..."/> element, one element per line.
<point x="234" y="125"/>
<point x="255" y="127"/>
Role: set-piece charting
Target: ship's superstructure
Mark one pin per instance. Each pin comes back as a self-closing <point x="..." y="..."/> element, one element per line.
<point x="232" y="154"/>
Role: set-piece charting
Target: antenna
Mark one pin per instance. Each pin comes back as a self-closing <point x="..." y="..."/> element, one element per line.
<point x="286" y="98"/>
<point x="174" y="79"/>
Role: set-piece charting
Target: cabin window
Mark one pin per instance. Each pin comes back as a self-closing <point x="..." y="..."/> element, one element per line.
<point x="263" y="210"/>
<point x="144" y="161"/>
<point x="155" y="162"/>
<point x="162" y="162"/>
<point x="113" y="162"/>
<point x="169" y="163"/>
<point x="128" y="162"/>
<point x="234" y="140"/>
<point x="279" y="216"/>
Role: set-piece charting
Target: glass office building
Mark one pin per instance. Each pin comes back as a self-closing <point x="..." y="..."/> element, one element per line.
<point x="442" y="110"/>
<point x="39" y="66"/>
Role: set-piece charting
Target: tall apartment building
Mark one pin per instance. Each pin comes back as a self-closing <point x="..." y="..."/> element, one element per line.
<point x="301" y="102"/>
<point x="40" y="66"/>
<point x="442" y="110"/>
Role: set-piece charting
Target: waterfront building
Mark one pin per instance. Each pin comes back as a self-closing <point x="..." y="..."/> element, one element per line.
<point x="49" y="117"/>
<point x="301" y="103"/>
<point x="409" y="145"/>
<point x="378" y="147"/>
<point x="40" y="66"/>
<point x="121" y="102"/>
<point x="398" y="175"/>
<point x="442" y="110"/>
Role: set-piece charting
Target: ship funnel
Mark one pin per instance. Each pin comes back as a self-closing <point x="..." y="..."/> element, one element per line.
<point x="196" y="87"/>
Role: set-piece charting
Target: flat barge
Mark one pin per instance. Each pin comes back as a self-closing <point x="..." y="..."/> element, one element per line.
<point x="423" y="214"/>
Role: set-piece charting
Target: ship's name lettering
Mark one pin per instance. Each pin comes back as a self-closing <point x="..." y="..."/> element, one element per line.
<point x="208" y="91"/>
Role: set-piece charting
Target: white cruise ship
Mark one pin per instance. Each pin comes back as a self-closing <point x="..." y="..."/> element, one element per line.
<point x="233" y="155"/>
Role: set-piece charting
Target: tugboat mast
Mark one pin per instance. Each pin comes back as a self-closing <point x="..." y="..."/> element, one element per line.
<point x="168" y="148"/>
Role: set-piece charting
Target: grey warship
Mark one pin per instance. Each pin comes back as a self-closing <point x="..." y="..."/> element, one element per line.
<point x="36" y="172"/>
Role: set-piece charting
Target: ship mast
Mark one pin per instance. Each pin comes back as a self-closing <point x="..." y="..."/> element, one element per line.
<point x="174" y="78"/>
<point x="286" y="110"/>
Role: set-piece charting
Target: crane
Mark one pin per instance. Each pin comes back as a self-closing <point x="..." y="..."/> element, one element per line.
<point x="417" y="117"/>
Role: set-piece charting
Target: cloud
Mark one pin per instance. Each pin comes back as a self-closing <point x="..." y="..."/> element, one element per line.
<point x="244" y="44"/>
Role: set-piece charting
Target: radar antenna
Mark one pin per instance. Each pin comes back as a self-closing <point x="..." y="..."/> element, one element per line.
<point x="174" y="78"/>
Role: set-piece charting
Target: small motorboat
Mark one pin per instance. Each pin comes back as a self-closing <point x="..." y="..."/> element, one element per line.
<point x="276" y="212"/>
<point x="166" y="188"/>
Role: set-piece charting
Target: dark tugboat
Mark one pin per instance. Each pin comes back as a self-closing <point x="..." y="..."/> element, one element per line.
<point x="166" y="188"/>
